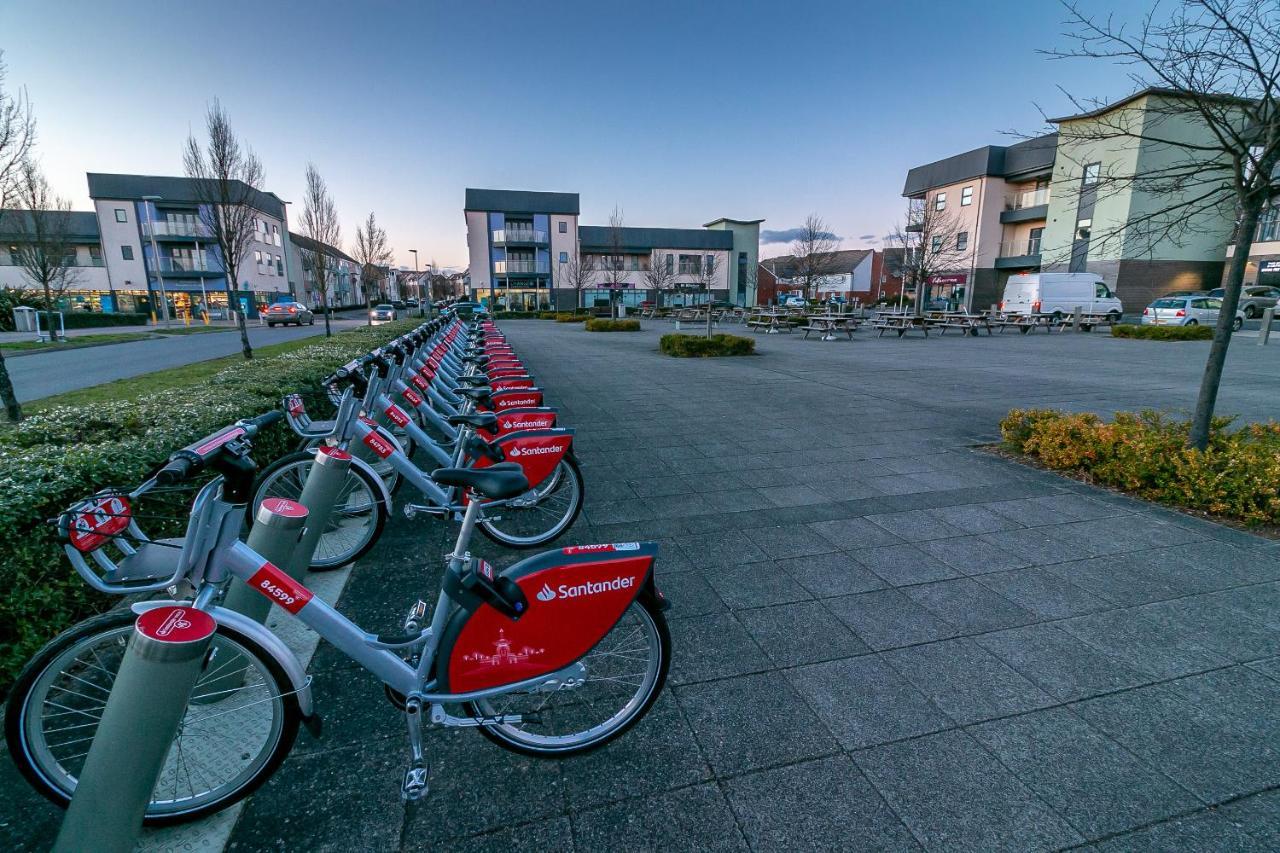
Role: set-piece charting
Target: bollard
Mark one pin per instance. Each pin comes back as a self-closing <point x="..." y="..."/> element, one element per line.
<point x="277" y="528"/>
<point x="1264" y="333"/>
<point x="319" y="492"/>
<point x="147" y="703"/>
<point x="1075" y="318"/>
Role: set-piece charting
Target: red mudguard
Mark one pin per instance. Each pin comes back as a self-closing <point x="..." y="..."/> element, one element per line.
<point x="516" y="398"/>
<point x="537" y="451"/>
<point x="576" y="595"/>
<point x="512" y="420"/>
<point x="506" y="384"/>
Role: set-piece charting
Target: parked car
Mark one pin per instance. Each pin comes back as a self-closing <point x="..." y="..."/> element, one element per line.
<point x="1059" y="294"/>
<point x="285" y="313"/>
<point x="794" y="302"/>
<point x="399" y="304"/>
<point x="383" y="313"/>
<point x="1197" y="310"/>
<point x="1254" y="299"/>
<point x="411" y="303"/>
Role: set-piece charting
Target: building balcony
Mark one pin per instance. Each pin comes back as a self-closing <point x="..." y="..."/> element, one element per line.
<point x="188" y="266"/>
<point x="10" y="260"/>
<point x="178" y="228"/>
<point x="1018" y="254"/>
<point x="521" y="268"/>
<point x="1026" y="206"/>
<point x="528" y="236"/>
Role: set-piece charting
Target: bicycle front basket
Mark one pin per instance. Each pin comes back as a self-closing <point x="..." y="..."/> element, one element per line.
<point x="102" y="529"/>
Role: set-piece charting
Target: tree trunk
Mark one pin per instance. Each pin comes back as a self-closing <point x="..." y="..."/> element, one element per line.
<point x="324" y="303"/>
<point x="233" y="304"/>
<point x="10" y="400"/>
<point x="48" y="314"/>
<point x="1212" y="379"/>
<point x="368" y="308"/>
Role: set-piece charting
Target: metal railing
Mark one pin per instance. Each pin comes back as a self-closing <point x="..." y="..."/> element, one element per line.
<point x="8" y="260"/>
<point x="1019" y="248"/>
<point x="1026" y="198"/>
<point x="199" y="264"/>
<point x="515" y="267"/>
<point x="176" y="228"/>
<point x="519" y="235"/>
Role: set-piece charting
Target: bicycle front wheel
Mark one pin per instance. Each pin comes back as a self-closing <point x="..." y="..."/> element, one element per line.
<point x="551" y="510"/>
<point x="615" y="684"/>
<point x="240" y="724"/>
<point x="358" y="516"/>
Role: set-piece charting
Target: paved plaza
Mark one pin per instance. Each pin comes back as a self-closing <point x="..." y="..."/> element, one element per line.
<point x="884" y="637"/>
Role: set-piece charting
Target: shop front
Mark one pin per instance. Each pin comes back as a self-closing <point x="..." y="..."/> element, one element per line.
<point x="946" y="292"/>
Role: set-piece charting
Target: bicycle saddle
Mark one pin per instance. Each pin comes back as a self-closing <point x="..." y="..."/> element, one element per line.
<point x="498" y="482"/>
<point x="480" y="393"/>
<point x="481" y="360"/>
<point x="473" y="380"/>
<point x="479" y="420"/>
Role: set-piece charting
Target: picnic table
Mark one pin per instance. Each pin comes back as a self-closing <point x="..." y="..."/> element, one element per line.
<point x="900" y="323"/>
<point x="771" y="321"/>
<point x="829" y="324"/>
<point x="1027" y="323"/>
<point x="968" y="323"/>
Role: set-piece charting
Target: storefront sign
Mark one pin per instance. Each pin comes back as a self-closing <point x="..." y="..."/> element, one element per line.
<point x="955" y="278"/>
<point x="1269" y="266"/>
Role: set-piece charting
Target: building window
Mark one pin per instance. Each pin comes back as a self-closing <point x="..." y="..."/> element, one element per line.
<point x="121" y="216"/>
<point x="1033" y="241"/>
<point x="275" y="234"/>
<point x="940" y="201"/>
<point x="966" y="196"/>
<point x="564" y="256"/>
<point x="1268" y="223"/>
<point x="564" y="227"/>
<point x="690" y="264"/>
<point x="670" y="264"/>
<point x="257" y="257"/>
<point x="1091" y="173"/>
<point x="962" y="241"/>
<point x="279" y="265"/>
<point x="935" y="245"/>
<point x="126" y="252"/>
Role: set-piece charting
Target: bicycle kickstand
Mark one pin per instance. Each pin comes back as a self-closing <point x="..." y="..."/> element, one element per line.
<point x="415" y="785"/>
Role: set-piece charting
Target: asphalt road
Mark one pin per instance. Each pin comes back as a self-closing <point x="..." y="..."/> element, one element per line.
<point x="45" y="374"/>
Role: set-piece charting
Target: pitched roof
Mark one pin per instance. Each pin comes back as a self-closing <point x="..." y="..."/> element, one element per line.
<point x="846" y="260"/>
<point x="306" y="244"/>
<point x="1029" y="157"/>
<point x="521" y="201"/>
<point x="600" y="237"/>
<point x="732" y="221"/>
<point x="1153" y="90"/>
<point x="82" y="226"/>
<point x="174" y="189"/>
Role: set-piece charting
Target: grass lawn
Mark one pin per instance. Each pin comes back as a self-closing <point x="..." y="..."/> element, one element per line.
<point x="148" y="383"/>
<point x="78" y="341"/>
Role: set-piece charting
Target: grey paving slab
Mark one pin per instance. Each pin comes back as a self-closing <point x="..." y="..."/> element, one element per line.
<point x="1043" y="592"/>
<point x="536" y="837"/>
<point x="724" y="648"/>
<point x="825" y="805"/>
<point x="753" y="721"/>
<point x="754" y="585"/>
<point x="1061" y="665"/>
<point x="789" y="541"/>
<point x="1159" y="650"/>
<point x="972" y="555"/>
<point x="851" y="533"/>
<point x="954" y="795"/>
<point x="887" y="619"/>
<point x="902" y="565"/>
<point x="698" y="817"/>
<point x="827" y="575"/>
<point x="864" y="702"/>
<point x="1087" y="778"/>
<point x="915" y="525"/>
<point x="968" y="605"/>
<point x="1202" y="832"/>
<point x="720" y="548"/>
<point x="800" y="633"/>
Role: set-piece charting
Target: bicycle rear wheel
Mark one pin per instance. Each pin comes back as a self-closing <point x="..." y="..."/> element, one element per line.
<point x="240" y="725"/>
<point x="620" y="680"/>
<point x="358" y="516"/>
<point x="553" y="510"/>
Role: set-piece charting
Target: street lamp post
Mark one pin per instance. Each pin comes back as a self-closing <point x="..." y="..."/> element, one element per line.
<point x="417" y="282"/>
<point x="155" y="258"/>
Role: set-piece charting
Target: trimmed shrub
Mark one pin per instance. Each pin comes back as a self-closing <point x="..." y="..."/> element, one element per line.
<point x="85" y="320"/>
<point x="596" y="324"/>
<point x="547" y="315"/>
<point x="693" y="346"/>
<point x="566" y="317"/>
<point x="62" y="454"/>
<point x="1163" y="333"/>
<point x="516" y="315"/>
<point x="1237" y="475"/>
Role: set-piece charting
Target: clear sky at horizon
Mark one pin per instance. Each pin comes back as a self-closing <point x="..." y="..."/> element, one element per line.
<point x="676" y="113"/>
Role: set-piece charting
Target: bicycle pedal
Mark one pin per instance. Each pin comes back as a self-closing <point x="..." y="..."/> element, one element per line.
<point x="415" y="785"/>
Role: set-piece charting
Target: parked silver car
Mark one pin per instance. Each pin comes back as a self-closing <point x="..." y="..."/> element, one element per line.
<point x="382" y="313"/>
<point x="289" y="312"/>
<point x="1198" y="310"/>
<point x="1254" y="299"/>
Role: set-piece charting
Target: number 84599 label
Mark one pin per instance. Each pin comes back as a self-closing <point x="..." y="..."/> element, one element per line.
<point x="280" y="588"/>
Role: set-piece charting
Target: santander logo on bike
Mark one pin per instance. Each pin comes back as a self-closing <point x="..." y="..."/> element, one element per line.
<point x="579" y="590"/>
<point x="535" y="451"/>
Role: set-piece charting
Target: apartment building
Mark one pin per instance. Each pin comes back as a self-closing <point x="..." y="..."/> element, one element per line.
<point x="154" y="240"/>
<point x="521" y="245"/>
<point x="852" y="276"/>
<point x="343" y="286"/>
<point x="992" y="203"/>
<point x="1263" y="266"/>
<point x="86" y="269"/>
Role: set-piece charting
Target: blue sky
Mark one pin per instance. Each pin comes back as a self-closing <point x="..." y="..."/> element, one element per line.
<point x="677" y="113"/>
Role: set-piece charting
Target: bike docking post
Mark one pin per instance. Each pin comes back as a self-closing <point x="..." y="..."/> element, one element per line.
<point x="277" y="528"/>
<point x="319" y="494"/>
<point x="148" y="701"/>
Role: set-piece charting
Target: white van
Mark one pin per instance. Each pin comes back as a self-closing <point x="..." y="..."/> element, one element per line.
<point x="1059" y="293"/>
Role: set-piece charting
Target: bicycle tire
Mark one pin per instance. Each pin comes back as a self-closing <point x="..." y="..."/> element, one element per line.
<point x="301" y="460"/>
<point x="512" y="738"/>
<point x="568" y="468"/>
<point x="57" y="784"/>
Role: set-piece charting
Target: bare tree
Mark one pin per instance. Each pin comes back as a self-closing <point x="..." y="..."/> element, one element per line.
<point x="612" y="265"/>
<point x="1211" y="130"/>
<point x="749" y="281"/>
<point x="320" y="225"/>
<point x="43" y="243"/>
<point x="373" y="252"/>
<point x="17" y="137"/>
<point x="707" y="272"/>
<point x="226" y="177"/>
<point x="661" y="274"/>
<point x="931" y="245"/>
<point x="576" y="274"/>
<point x="814" y="255"/>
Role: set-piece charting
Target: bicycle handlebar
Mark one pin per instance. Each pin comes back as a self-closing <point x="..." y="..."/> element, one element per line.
<point x="195" y="456"/>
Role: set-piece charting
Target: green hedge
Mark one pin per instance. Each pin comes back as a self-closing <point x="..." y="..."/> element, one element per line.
<point x="1163" y="333"/>
<point x="1237" y="475"/>
<point x="693" y="346"/>
<point x="571" y="317"/>
<point x="85" y="320"/>
<point x="601" y="325"/>
<point x="62" y="454"/>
